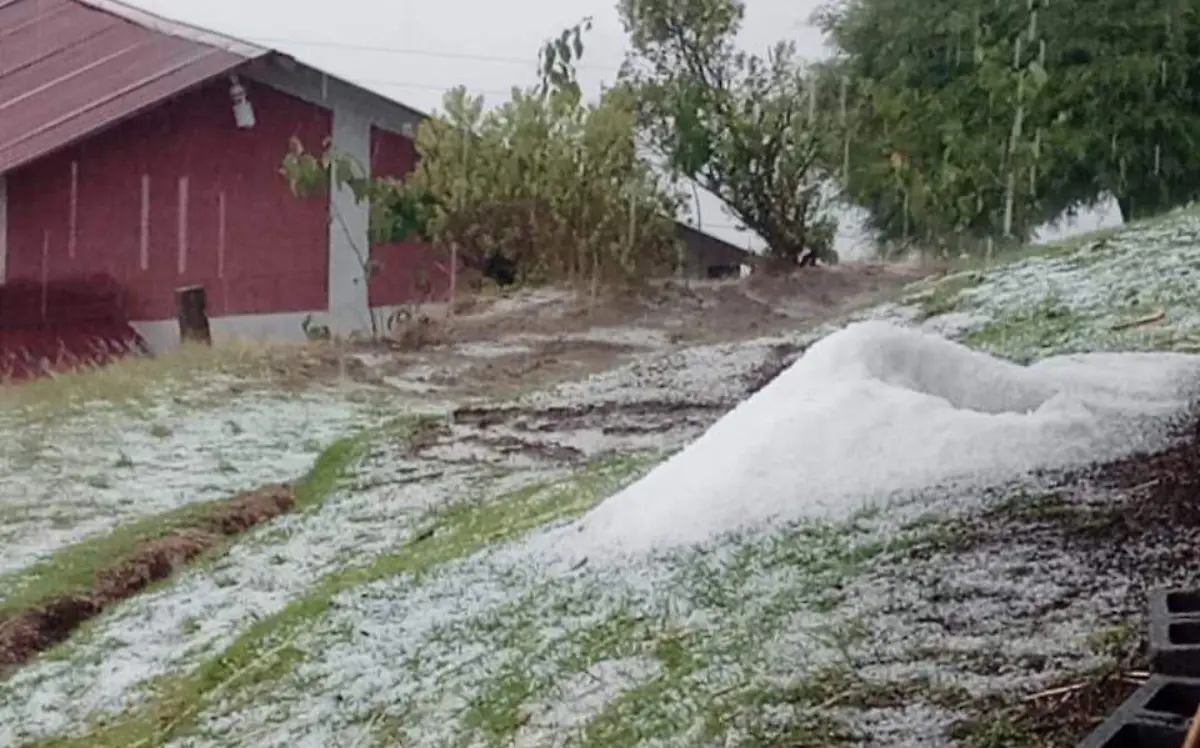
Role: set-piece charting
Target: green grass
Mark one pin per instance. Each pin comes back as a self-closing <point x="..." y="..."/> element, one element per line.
<point x="265" y="653"/>
<point x="668" y="704"/>
<point x="811" y="702"/>
<point x="1099" y="239"/>
<point x="944" y="295"/>
<point x="1029" y="334"/>
<point x="1149" y="275"/>
<point x="691" y="663"/>
<point x="136" y="383"/>
<point x="74" y="568"/>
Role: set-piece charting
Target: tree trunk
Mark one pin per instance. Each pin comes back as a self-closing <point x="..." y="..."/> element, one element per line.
<point x="784" y="253"/>
<point x="776" y="265"/>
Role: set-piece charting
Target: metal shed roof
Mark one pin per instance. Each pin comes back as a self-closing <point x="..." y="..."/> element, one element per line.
<point x="71" y="67"/>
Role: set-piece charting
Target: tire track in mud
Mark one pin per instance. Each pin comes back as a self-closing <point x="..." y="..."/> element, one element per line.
<point x="565" y="433"/>
<point x="27" y="633"/>
<point x="569" y="435"/>
<point x="157" y="555"/>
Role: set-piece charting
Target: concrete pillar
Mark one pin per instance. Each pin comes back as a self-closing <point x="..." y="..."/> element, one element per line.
<point x="349" y="245"/>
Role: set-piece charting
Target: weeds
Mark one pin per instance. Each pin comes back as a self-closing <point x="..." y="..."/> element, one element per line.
<point x="137" y="382"/>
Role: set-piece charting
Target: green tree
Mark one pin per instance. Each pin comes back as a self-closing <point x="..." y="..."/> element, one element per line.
<point x="1127" y="89"/>
<point x="741" y="126"/>
<point x="1008" y="114"/>
<point x="942" y="107"/>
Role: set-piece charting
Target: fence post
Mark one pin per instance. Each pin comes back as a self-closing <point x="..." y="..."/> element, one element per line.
<point x="191" y="304"/>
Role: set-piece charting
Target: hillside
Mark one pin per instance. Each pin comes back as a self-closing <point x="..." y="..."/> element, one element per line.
<point x="465" y="581"/>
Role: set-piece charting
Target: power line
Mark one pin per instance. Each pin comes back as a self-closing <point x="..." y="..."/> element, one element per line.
<point x="427" y="86"/>
<point x="414" y="52"/>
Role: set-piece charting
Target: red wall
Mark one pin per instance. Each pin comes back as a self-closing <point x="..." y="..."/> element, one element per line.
<point x="403" y="266"/>
<point x="275" y="246"/>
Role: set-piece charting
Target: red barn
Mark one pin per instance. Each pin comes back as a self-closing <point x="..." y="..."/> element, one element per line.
<point x="127" y="172"/>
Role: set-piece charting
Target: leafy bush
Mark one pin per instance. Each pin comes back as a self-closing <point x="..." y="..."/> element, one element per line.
<point x="546" y="179"/>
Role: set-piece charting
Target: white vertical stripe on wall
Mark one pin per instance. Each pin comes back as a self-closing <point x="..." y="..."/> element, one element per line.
<point x="183" y="224"/>
<point x="3" y="228"/>
<point x="45" y="267"/>
<point x="73" y="215"/>
<point x="144" y="247"/>
<point x="221" y="234"/>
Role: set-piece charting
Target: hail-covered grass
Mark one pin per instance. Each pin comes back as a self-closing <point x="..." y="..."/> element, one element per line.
<point x="420" y="605"/>
<point x="71" y="480"/>
<point x="1105" y="293"/>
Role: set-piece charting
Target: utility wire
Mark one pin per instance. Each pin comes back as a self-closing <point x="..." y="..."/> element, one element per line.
<point x="426" y="86"/>
<point x="414" y="52"/>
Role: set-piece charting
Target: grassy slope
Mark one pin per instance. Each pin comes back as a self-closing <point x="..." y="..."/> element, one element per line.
<point x="195" y="373"/>
<point x="267" y="652"/>
<point x="73" y="569"/>
<point x="1076" y="296"/>
<point x="704" y="658"/>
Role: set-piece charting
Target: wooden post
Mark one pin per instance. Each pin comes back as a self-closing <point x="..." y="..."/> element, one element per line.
<point x="191" y="304"/>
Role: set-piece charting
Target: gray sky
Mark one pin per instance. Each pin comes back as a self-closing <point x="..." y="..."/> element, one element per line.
<point x="413" y="50"/>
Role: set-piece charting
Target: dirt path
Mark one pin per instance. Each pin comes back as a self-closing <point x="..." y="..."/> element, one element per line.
<point x="500" y="346"/>
<point x="695" y="311"/>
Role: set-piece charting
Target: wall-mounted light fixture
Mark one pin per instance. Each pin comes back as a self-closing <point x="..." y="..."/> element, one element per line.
<point x="243" y="111"/>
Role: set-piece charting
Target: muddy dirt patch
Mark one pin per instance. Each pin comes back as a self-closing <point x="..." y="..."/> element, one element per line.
<point x="1039" y="603"/>
<point x="705" y="310"/>
<point x="605" y="418"/>
<point x="780" y="358"/>
<point x="1058" y="717"/>
<point x="486" y="369"/>
<point x="514" y="346"/>
<point x="546" y="363"/>
<point x="560" y="435"/>
<point x="557" y="436"/>
<point x="572" y="416"/>
<point x="537" y="451"/>
<point x="28" y="633"/>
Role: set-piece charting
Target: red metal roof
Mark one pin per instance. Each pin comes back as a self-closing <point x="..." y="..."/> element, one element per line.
<point x="71" y="67"/>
